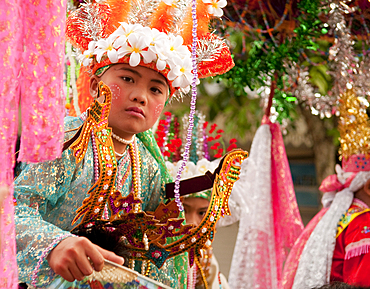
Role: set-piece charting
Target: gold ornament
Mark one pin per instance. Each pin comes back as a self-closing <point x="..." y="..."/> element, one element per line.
<point x="353" y="125"/>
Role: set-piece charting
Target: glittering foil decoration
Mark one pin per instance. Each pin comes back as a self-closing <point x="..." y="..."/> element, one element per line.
<point x="345" y="67"/>
<point x="322" y="105"/>
<point x="341" y="54"/>
<point x="90" y="20"/>
<point x="142" y="9"/>
<point x="353" y="125"/>
<point x="209" y="48"/>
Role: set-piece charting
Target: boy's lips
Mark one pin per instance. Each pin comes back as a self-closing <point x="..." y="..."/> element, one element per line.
<point x="135" y="110"/>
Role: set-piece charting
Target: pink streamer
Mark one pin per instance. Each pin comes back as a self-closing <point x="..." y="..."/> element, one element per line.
<point x="287" y="220"/>
<point x="42" y="75"/>
<point x="31" y="54"/>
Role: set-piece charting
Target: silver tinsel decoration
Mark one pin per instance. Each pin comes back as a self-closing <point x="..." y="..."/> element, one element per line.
<point x="91" y="22"/>
<point x="141" y="10"/>
<point x="345" y="68"/>
<point x="208" y="49"/>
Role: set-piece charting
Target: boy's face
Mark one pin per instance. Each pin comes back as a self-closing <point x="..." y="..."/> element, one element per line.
<point x="195" y="209"/>
<point x="138" y="98"/>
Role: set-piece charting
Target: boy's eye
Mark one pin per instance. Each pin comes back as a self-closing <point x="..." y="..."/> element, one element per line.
<point x="202" y="213"/>
<point x="156" y="90"/>
<point x="127" y="78"/>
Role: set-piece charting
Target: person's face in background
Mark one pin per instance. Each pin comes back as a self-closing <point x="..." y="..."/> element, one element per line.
<point x="195" y="209"/>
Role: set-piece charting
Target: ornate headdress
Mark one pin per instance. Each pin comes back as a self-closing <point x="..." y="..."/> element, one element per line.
<point x="354" y="132"/>
<point x="155" y="34"/>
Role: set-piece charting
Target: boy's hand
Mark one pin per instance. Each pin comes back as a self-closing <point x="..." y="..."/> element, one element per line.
<point x="69" y="258"/>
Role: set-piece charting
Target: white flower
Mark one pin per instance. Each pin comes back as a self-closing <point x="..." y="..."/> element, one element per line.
<point x="106" y="46"/>
<point x="161" y="48"/>
<point x="181" y="73"/>
<point x="216" y="6"/>
<point x="204" y="165"/>
<point x="128" y="29"/>
<point x="176" y="46"/>
<point x="185" y="90"/>
<point x="105" y="187"/>
<point x="171" y="3"/>
<point x="182" y="246"/>
<point x="88" y="54"/>
<point x="136" y="48"/>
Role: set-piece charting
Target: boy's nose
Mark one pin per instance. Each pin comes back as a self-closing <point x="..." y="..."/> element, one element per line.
<point x="139" y="96"/>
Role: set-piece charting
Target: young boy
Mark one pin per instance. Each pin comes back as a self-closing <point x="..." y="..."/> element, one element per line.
<point x="143" y="68"/>
<point x="195" y="207"/>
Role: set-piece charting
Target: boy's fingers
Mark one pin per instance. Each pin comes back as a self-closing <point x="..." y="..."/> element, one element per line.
<point x="85" y="266"/>
<point x="66" y="274"/>
<point x="76" y="272"/>
<point x="92" y="251"/>
<point x="111" y="256"/>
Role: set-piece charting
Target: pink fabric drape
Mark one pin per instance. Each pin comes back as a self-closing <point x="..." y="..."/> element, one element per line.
<point x="291" y="264"/>
<point x="31" y="54"/>
<point x="287" y="219"/>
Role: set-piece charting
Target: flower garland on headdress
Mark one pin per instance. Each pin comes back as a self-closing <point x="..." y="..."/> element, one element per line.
<point x="154" y="34"/>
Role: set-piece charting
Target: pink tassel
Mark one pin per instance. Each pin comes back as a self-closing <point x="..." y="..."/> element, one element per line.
<point x="356" y="249"/>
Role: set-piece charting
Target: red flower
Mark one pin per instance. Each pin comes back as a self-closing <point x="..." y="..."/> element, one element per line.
<point x="213" y="127"/>
<point x="210" y="138"/>
<point x="167" y="113"/>
<point x="218" y="155"/>
<point x="231" y="147"/>
<point x="161" y="133"/>
<point x="178" y="142"/>
<point x="233" y="140"/>
<point x="162" y="121"/>
<point x="220" y="150"/>
<point x="166" y="153"/>
<point x="214" y="147"/>
<point x="218" y="136"/>
<point x="220" y="131"/>
<point x="205" y="124"/>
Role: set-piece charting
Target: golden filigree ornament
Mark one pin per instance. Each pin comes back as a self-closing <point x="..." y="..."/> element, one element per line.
<point x="96" y="126"/>
<point x="354" y="132"/>
<point x="146" y="234"/>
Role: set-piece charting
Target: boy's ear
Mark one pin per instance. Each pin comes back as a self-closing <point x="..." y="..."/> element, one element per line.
<point x="367" y="187"/>
<point x="94" y="81"/>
